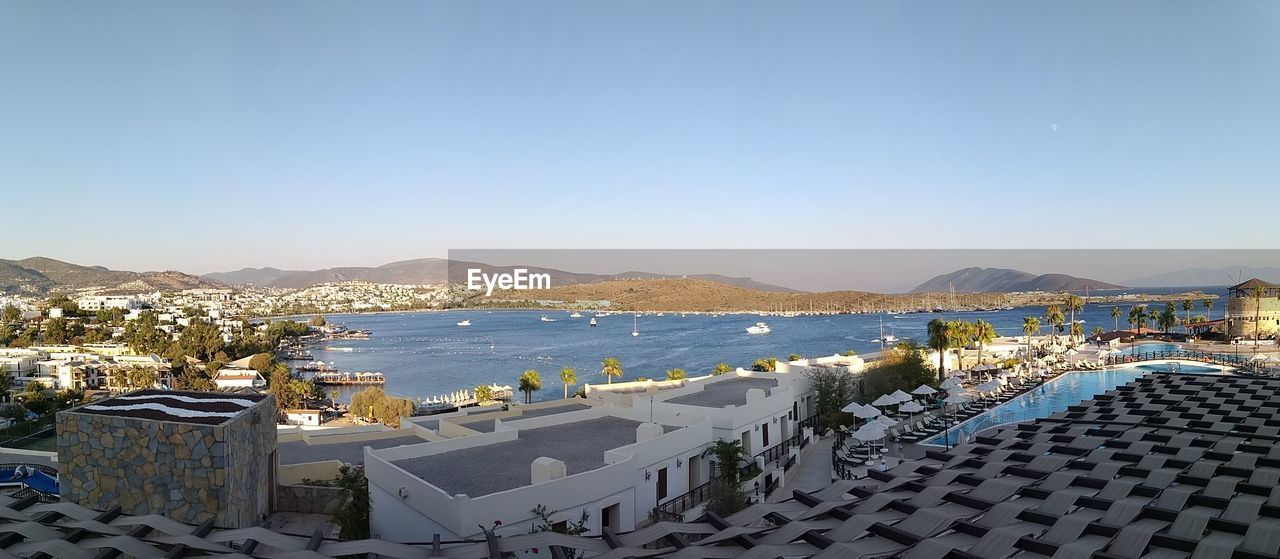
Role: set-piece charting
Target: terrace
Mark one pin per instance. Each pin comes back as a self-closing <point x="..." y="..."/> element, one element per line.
<point x="727" y="392"/>
<point x="496" y="467"/>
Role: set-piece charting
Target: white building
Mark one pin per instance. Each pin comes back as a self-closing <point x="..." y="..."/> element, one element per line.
<point x="102" y="302"/>
<point x="238" y="377"/>
<point x="614" y="463"/>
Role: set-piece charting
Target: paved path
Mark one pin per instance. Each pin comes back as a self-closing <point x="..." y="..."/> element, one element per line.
<point x="811" y="472"/>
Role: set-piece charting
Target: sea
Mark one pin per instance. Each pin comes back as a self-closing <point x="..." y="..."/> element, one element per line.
<point x="425" y="354"/>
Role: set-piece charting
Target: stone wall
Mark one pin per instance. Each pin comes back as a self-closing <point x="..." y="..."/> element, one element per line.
<point x="1242" y="310"/>
<point x="186" y="471"/>
<point x="310" y="499"/>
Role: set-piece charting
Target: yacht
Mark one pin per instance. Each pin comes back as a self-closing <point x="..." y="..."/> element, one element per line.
<point x="635" y="325"/>
<point x="576" y="314"/>
<point x="593" y="322"/>
<point x="886" y="339"/>
<point x="759" y="328"/>
<point x="545" y="318"/>
<point x="465" y="323"/>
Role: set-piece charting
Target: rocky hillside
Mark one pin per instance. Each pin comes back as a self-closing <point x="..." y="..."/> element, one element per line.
<point x="41" y="276"/>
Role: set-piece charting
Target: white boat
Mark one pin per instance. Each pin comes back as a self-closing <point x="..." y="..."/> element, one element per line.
<point x="886" y="339"/>
<point x="545" y="318"/>
<point x="662" y="314"/>
<point x="759" y="328"/>
<point x="635" y="325"/>
<point x="593" y="322"/>
<point x="576" y="315"/>
<point x="465" y="323"/>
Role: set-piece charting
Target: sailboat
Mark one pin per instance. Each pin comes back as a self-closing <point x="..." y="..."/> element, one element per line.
<point x="889" y="339"/>
<point x="635" y="321"/>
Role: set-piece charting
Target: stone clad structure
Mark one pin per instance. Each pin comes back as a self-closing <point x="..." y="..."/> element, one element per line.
<point x="191" y="456"/>
<point x="1253" y="309"/>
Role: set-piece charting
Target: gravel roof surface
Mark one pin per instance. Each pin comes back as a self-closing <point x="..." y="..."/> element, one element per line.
<point x="723" y="393"/>
<point x="502" y="466"/>
<point x="299" y="452"/>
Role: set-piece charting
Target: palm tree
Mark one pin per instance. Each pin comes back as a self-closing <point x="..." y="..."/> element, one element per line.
<point x="1098" y="331"/>
<point x="569" y="377"/>
<point x="983" y="333"/>
<point x="610" y="368"/>
<point x="1168" y="318"/>
<point x="1030" y="325"/>
<point x="1187" y="305"/>
<point x="675" y="374"/>
<point x="940" y="342"/>
<point x="1075" y="303"/>
<point x="1077" y="330"/>
<point x="1053" y="315"/>
<point x="1137" y="319"/>
<point x="1115" y="315"/>
<point x="1208" y="308"/>
<point x="530" y="381"/>
<point x="721" y="368"/>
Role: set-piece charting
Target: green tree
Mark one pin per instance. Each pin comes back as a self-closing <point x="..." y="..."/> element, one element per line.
<point x="1054" y="317"/>
<point x="1075" y="303"/>
<point x="1137" y="320"/>
<point x="1168" y="317"/>
<point x="278" y="384"/>
<point x="939" y="342"/>
<point x="983" y="333"/>
<point x="374" y="403"/>
<point x="1030" y="325"/>
<point x="765" y="365"/>
<point x="721" y="368"/>
<point x="1098" y="331"/>
<point x="317" y="321"/>
<point x="833" y="388"/>
<point x="1187" y="306"/>
<point x="12" y="314"/>
<point x="675" y="374"/>
<point x="7" y="334"/>
<point x="484" y="393"/>
<point x="138" y="376"/>
<point x="262" y="362"/>
<point x="530" y="382"/>
<point x="794" y="357"/>
<point x="610" y="368"/>
<point x="1115" y="315"/>
<point x="568" y="377"/>
<point x="55" y="331"/>
<point x="725" y="495"/>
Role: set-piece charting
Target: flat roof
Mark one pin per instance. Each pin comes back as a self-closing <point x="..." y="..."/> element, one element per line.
<point x="501" y="466"/>
<point x="299" y="452"/>
<point x="486" y="425"/>
<point x="721" y="393"/>
<point x="206" y="408"/>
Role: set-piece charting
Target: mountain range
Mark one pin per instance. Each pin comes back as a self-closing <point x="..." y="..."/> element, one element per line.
<point x="434" y="271"/>
<point x="40" y="276"/>
<point x="986" y="280"/>
<point x="1207" y="276"/>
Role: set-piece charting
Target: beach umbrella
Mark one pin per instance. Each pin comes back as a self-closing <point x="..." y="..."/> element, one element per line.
<point x="901" y="396"/>
<point x="1260" y="358"/>
<point x="923" y="390"/>
<point x="950" y="383"/>
<point x="869" y="432"/>
<point x="955" y="399"/>
<point x="866" y="412"/>
<point x="885" y="400"/>
<point x="912" y="407"/>
<point x="856" y="408"/>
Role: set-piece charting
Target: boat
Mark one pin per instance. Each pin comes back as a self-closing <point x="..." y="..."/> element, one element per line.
<point x="635" y="325"/>
<point x="465" y="323"/>
<point x="662" y="314"/>
<point x="317" y="367"/>
<point x="576" y="315"/>
<point x="593" y="322"/>
<point x="546" y="318"/>
<point x="759" y="328"/>
<point x="886" y="339"/>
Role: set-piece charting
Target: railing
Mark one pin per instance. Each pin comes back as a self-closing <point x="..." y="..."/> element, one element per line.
<point x="773" y="454"/>
<point x="810" y="422"/>
<point x="1183" y="354"/>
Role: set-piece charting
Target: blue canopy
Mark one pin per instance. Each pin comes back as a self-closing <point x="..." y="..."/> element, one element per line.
<point x="42" y="482"/>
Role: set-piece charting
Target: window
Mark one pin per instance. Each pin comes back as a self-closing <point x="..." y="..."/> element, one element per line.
<point x="662" y="484"/>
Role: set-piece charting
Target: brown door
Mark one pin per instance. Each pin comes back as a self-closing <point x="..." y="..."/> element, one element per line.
<point x="764" y="435"/>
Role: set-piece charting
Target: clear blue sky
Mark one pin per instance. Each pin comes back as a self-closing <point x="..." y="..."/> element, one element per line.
<point x="216" y="135"/>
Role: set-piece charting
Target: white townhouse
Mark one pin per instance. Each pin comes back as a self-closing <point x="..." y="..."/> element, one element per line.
<point x="612" y="462"/>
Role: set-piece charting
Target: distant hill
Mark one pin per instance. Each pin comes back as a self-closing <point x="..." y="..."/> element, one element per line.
<point x="434" y="271"/>
<point x="40" y="276"/>
<point x="989" y="280"/>
<point x="1207" y="276"/>
<point x="696" y="295"/>
<point x="250" y="276"/>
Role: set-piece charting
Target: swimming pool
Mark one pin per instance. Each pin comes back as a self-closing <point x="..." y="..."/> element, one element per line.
<point x="1054" y="396"/>
<point x="1147" y="348"/>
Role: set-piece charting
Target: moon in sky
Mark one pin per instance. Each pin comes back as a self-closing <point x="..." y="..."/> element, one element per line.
<point x="1054" y="127"/>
